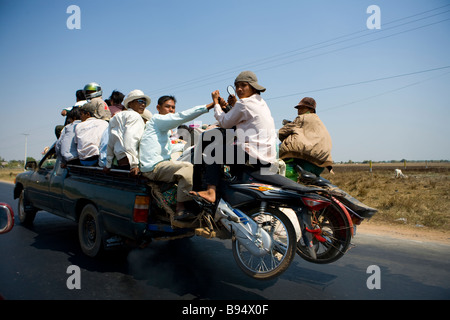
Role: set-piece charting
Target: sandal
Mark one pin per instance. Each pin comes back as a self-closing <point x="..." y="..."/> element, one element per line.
<point x="184" y="215"/>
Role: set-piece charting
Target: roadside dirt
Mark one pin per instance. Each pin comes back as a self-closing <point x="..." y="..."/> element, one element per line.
<point x="404" y="232"/>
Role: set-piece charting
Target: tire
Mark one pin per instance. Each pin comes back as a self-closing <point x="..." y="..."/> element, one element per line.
<point x="282" y="254"/>
<point x="26" y="211"/>
<point x="90" y="231"/>
<point x="334" y="229"/>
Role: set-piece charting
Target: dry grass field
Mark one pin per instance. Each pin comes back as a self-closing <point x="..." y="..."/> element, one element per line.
<point x="421" y="199"/>
<point x="7" y="174"/>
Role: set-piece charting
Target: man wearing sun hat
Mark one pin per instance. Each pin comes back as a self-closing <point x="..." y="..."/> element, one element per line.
<point x="306" y="140"/>
<point x="125" y="131"/>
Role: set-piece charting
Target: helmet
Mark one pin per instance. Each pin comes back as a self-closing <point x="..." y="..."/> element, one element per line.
<point x="92" y="90"/>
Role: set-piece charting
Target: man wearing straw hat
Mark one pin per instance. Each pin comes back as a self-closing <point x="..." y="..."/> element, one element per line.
<point x="125" y="131"/>
<point x="306" y="140"/>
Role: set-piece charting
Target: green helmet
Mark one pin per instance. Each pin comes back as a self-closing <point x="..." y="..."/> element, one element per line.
<point x="92" y="90"/>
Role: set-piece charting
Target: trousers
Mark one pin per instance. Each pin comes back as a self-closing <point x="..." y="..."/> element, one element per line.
<point x="180" y="172"/>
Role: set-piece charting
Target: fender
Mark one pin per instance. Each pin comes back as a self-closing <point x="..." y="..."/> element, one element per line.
<point x="347" y="215"/>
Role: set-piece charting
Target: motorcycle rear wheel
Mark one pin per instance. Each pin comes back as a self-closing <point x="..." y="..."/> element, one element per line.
<point x="335" y="229"/>
<point x="281" y="255"/>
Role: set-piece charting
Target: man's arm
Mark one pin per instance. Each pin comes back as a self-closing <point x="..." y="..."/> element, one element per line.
<point x="172" y="120"/>
<point x="133" y="133"/>
<point x="286" y="131"/>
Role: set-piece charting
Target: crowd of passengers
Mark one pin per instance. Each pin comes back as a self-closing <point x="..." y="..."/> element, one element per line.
<point x="121" y="133"/>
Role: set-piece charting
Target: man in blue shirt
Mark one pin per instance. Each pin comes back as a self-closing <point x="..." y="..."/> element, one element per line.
<point x="155" y="153"/>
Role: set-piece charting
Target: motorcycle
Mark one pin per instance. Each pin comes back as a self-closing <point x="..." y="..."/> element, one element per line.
<point x="328" y="225"/>
<point x="247" y="210"/>
<point x="251" y="197"/>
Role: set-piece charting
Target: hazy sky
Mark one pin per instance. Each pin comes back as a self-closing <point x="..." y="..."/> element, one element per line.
<point x="383" y="93"/>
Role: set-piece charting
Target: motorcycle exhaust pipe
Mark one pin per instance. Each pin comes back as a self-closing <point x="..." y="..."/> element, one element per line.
<point x="249" y="233"/>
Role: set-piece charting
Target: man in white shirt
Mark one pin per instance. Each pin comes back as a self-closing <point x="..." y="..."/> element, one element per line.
<point x="81" y="100"/>
<point x="125" y="132"/>
<point x="88" y="134"/>
<point x="255" y="131"/>
<point x="65" y="147"/>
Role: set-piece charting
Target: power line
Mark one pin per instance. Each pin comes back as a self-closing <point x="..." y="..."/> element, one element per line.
<point x="317" y="55"/>
<point x="386" y="92"/>
<point x="353" y="38"/>
<point x="304" y="50"/>
<point x="352" y="46"/>
<point x="359" y="82"/>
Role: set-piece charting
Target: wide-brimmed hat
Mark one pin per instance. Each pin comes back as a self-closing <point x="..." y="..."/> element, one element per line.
<point x="250" y="77"/>
<point x="136" y="94"/>
<point x="307" y="102"/>
<point x="146" y="115"/>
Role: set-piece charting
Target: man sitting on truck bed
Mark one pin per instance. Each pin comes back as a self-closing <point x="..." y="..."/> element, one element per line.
<point x="125" y="131"/>
<point x="155" y="154"/>
<point x="66" y="147"/>
<point x="88" y="134"/>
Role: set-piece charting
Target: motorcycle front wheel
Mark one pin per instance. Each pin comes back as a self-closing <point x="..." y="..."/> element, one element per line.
<point x="282" y="252"/>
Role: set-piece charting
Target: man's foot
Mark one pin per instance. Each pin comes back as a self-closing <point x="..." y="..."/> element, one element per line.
<point x="209" y="196"/>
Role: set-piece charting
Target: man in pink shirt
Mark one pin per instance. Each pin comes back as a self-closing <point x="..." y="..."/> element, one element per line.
<point x="116" y="99"/>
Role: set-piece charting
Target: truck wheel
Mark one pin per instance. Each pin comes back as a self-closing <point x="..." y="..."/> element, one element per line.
<point x="90" y="231"/>
<point x="26" y="212"/>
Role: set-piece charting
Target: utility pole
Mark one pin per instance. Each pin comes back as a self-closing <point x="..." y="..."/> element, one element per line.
<point x="26" y="141"/>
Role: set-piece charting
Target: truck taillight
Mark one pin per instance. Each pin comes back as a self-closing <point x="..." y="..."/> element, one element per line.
<point x="141" y="206"/>
<point x="315" y="204"/>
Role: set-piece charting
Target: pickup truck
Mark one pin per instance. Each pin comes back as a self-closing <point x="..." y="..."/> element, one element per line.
<point x="112" y="209"/>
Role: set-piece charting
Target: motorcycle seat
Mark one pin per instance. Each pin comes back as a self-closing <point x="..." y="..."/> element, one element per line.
<point x="354" y="204"/>
<point x="282" y="182"/>
<point x="310" y="178"/>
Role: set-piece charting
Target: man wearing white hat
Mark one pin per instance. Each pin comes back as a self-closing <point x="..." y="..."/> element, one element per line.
<point x="125" y="131"/>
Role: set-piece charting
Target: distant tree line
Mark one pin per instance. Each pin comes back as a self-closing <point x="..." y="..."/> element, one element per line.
<point x="13" y="163"/>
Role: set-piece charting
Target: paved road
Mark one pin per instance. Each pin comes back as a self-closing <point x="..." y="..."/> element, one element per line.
<point x="34" y="265"/>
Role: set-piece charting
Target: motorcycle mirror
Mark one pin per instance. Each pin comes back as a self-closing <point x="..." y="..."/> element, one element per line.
<point x="6" y="218"/>
<point x="231" y="91"/>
